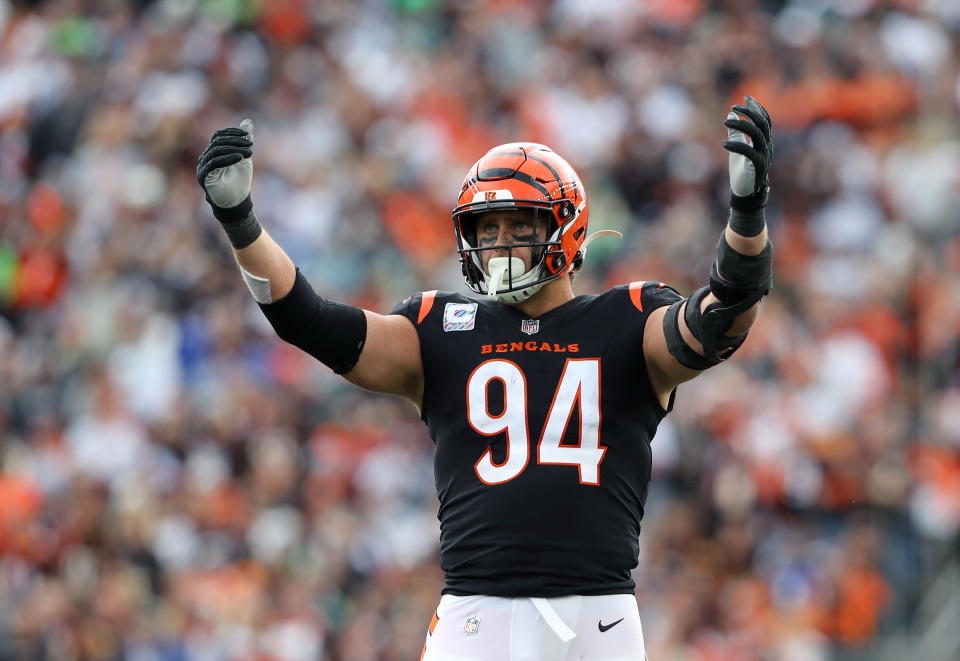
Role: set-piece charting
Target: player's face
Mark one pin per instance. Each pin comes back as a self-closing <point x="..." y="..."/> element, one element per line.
<point x="502" y="228"/>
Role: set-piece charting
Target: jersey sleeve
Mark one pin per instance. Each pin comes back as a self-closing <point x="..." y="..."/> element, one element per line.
<point x="416" y="307"/>
<point x="645" y="297"/>
<point x="649" y="295"/>
<point x="407" y="307"/>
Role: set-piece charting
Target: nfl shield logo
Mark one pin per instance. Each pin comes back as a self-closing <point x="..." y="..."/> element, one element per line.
<point x="530" y="326"/>
<point x="472" y="625"/>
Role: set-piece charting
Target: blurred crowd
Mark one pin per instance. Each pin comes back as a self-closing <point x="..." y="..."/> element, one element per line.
<point x="176" y="484"/>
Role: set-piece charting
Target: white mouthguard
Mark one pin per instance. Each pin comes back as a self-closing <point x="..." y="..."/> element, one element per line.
<point x="498" y="268"/>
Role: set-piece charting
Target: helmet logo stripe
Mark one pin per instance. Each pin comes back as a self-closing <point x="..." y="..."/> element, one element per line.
<point x="505" y="173"/>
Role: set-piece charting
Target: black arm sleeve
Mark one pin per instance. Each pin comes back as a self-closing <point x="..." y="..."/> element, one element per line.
<point x="333" y="333"/>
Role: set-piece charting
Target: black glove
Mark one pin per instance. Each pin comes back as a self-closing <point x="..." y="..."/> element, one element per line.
<point x="749" y="163"/>
<point x="225" y="168"/>
<point x="225" y="171"/>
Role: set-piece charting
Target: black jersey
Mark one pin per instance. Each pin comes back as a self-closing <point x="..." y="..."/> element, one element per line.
<point x="542" y="430"/>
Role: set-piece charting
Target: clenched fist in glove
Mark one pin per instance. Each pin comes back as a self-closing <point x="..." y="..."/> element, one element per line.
<point x="749" y="161"/>
<point x="225" y="171"/>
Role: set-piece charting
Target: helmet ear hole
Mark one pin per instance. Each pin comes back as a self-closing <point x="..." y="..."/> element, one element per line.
<point x="471" y="272"/>
<point x="468" y="228"/>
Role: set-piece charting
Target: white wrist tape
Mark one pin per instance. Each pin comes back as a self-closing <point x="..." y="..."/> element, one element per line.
<point x="259" y="287"/>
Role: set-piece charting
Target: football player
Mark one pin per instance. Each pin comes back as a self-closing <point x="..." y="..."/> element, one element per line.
<point x="542" y="404"/>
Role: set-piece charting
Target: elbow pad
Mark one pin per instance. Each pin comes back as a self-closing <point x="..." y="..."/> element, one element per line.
<point x="717" y="347"/>
<point x="745" y="280"/>
<point x="333" y="333"/>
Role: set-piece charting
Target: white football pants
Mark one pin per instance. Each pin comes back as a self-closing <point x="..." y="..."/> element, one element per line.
<point x="575" y="628"/>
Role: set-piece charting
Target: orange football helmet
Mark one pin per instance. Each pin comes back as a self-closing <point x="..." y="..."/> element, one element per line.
<point x="522" y="175"/>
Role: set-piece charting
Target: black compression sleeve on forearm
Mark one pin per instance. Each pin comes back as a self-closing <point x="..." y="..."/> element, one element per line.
<point x="735" y="277"/>
<point x="333" y="333"/>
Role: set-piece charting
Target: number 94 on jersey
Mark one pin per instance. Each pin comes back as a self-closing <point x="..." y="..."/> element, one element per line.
<point x="579" y="385"/>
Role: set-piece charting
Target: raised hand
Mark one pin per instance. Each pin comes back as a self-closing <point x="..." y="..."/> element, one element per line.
<point x="749" y="160"/>
<point x="225" y="168"/>
<point x="225" y="171"/>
